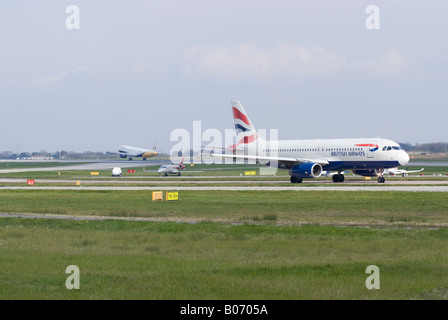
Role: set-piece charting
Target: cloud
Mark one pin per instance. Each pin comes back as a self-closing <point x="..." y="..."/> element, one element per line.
<point x="79" y="69"/>
<point x="294" y="60"/>
<point x="248" y="60"/>
<point x="52" y="78"/>
<point x="59" y="76"/>
<point x="389" y="63"/>
<point x="140" y="66"/>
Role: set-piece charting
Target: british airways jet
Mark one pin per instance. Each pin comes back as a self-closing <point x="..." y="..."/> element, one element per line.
<point x="310" y="158"/>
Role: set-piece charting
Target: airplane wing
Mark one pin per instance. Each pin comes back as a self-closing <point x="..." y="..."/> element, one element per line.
<point x="400" y="171"/>
<point x="406" y="171"/>
<point x="287" y="160"/>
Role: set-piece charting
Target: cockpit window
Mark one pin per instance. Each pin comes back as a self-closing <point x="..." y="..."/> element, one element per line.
<point x="388" y="148"/>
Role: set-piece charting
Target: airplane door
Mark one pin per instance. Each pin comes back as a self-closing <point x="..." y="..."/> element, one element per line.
<point x="370" y="154"/>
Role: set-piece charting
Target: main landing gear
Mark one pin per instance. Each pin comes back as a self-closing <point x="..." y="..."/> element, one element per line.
<point x="295" y="179"/>
<point x="381" y="179"/>
<point x="338" y="177"/>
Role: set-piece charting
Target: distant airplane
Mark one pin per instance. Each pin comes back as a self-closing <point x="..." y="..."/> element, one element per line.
<point x="309" y="158"/>
<point x="171" y="168"/>
<point x="396" y="171"/>
<point x="134" y="152"/>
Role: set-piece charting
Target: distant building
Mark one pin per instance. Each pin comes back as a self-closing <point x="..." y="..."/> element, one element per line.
<point x="38" y="157"/>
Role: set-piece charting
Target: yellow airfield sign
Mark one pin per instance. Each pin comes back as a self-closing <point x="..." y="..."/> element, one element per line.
<point x="172" y="196"/>
<point x="169" y="196"/>
<point x="157" y="196"/>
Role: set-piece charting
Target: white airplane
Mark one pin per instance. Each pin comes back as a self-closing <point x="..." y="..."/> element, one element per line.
<point x="396" y="171"/>
<point x="134" y="152"/>
<point x="309" y="158"/>
<point x="171" y="168"/>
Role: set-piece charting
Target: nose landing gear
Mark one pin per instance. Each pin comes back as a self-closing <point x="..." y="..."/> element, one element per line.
<point x="381" y="178"/>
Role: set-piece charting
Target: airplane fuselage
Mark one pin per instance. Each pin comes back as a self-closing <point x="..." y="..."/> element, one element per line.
<point x="169" y="169"/>
<point x="341" y="154"/>
<point x="311" y="158"/>
<point x="134" y="152"/>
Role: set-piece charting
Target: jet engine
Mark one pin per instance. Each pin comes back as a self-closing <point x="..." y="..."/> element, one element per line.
<point x="306" y="170"/>
<point x="123" y="155"/>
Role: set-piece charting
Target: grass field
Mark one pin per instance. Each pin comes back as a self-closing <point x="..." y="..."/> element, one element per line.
<point x="34" y="164"/>
<point x="299" y="207"/>
<point x="287" y="245"/>
<point x="140" y="260"/>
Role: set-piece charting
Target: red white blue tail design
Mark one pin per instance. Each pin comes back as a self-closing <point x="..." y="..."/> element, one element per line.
<point x="245" y="131"/>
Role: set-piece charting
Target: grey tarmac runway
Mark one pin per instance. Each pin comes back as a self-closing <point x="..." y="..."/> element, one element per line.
<point x="93" y="165"/>
<point x="109" y="164"/>
<point x="414" y="188"/>
<point x="175" y="180"/>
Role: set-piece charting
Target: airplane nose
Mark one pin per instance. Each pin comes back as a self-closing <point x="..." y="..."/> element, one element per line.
<point x="403" y="158"/>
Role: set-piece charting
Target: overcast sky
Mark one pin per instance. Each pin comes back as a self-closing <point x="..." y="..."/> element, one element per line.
<point x="135" y="71"/>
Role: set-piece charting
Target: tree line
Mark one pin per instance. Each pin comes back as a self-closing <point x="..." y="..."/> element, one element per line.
<point x="61" y="155"/>
<point x="432" y="147"/>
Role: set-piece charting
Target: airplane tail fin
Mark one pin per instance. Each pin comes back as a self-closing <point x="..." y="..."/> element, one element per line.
<point x="181" y="164"/>
<point x="245" y="130"/>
